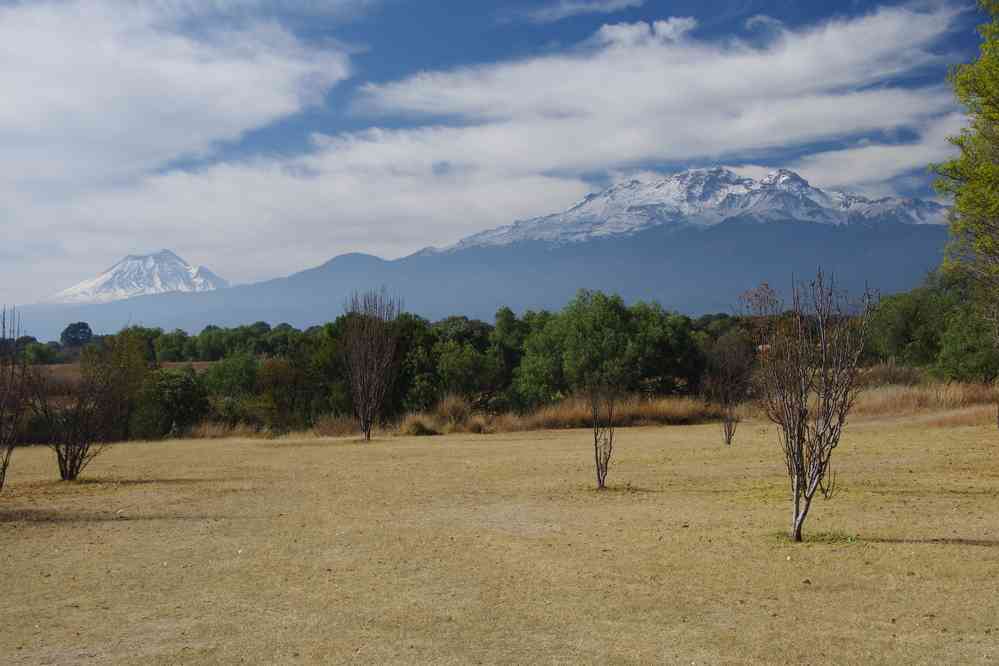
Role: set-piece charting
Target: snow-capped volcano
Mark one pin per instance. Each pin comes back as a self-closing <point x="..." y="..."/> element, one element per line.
<point x="142" y="275"/>
<point x="704" y="198"/>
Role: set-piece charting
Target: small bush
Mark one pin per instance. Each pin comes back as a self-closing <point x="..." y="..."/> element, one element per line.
<point x="418" y="425"/>
<point x="479" y="424"/>
<point x="333" y="425"/>
<point x="453" y="410"/>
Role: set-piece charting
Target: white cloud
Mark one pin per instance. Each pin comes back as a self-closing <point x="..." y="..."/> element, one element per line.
<point x="491" y="143"/>
<point x="642" y="33"/>
<point x="99" y="92"/>
<point x="564" y="9"/>
<point x="869" y="164"/>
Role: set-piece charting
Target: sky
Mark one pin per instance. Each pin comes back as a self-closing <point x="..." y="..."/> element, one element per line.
<point x="261" y="137"/>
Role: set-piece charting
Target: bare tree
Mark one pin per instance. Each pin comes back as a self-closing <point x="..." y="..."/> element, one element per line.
<point x="603" y="401"/>
<point x="13" y="389"/>
<point x="728" y="376"/>
<point x="370" y="340"/>
<point x="809" y="362"/>
<point x="81" y="425"/>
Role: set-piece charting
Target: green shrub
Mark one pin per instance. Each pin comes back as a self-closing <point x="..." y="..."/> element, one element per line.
<point x="171" y="402"/>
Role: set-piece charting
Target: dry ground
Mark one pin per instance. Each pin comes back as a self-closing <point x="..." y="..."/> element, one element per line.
<point x="495" y="549"/>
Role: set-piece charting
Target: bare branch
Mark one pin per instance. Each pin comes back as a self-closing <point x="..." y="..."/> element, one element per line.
<point x="13" y="389"/>
<point x="809" y="362"/>
<point x="370" y="340"/>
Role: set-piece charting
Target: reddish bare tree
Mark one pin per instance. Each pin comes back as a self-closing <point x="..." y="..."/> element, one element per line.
<point x="13" y="389"/>
<point x="809" y="362"/>
<point x="370" y="339"/>
<point x="728" y="376"/>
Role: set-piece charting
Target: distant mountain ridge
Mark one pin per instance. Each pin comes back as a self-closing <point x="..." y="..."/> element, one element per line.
<point x="693" y="242"/>
<point x="703" y="198"/>
<point x="142" y="275"/>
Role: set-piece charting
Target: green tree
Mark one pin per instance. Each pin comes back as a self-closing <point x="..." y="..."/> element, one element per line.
<point x="972" y="178"/>
<point x="171" y="347"/>
<point x="38" y="354"/>
<point x="669" y="358"/>
<point x="171" y="402"/>
<point x="600" y="361"/>
<point x="76" y="335"/>
<point x="540" y="377"/>
<point x="466" y="371"/>
<point x="233" y="377"/>
<point x="967" y="351"/>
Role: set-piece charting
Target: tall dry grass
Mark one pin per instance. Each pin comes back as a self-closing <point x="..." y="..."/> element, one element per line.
<point x="213" y="430"/>
<point x="907" y="400"/>
<point x="952" y="404"/>
<point x="454" y="415"/>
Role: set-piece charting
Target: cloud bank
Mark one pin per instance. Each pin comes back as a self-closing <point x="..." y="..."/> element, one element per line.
<point x="92" y="131"/>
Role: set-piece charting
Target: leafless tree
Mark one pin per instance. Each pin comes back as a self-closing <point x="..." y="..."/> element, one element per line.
<point x="81" y="425"/>
<point x="13" y="389"/>
<point x="603" y="402"/>
<point x="728" y="376"/>
<point x="809" y="361"/>
<point x="370" y="340"/>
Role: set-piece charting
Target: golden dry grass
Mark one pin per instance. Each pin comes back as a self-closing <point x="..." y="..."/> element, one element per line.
<point x="455" y="415"/>
<point x="902" y="400"/>
<point x="495" y="549"/>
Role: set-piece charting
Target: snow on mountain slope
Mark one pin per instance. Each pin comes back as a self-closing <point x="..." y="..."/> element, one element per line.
<point x="142" y="275"/>
<point x="704" y="197"/>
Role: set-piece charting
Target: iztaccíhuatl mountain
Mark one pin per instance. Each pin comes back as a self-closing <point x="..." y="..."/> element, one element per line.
<point x="693" y="241"/>
<point x="142" y="275"/>
<point x="701" y="199"/>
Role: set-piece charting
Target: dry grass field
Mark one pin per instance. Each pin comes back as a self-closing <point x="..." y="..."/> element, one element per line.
<point x="495" y="549"/>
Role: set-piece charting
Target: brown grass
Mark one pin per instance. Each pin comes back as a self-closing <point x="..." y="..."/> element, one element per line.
<point x="498" y="550"/>
<point x="905" y="400"/>
<point x="454" y="415"/>
<point x="336" y="426"/>
<point x="982" y="415"/>
<point x="211" y="430"/>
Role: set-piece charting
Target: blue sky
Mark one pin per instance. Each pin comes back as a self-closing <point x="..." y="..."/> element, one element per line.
<point x="261" y="137"/>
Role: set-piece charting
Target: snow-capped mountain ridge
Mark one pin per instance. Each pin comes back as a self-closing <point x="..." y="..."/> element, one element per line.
<point x="142" y="275"/>
<point x="704" y="198"/>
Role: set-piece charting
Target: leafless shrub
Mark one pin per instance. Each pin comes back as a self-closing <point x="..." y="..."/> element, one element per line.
<point x="809" y="364"/>
<point x="603" y="400"/>
<point x="370" y="340"/>
<point x="728" y="376"/>
<point x="78" y="427"/>
<point x="13" y="389"/>
<point x="81" y="424"/>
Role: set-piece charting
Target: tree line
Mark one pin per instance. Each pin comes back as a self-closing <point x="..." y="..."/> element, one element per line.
<point x="283" y="377"/>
